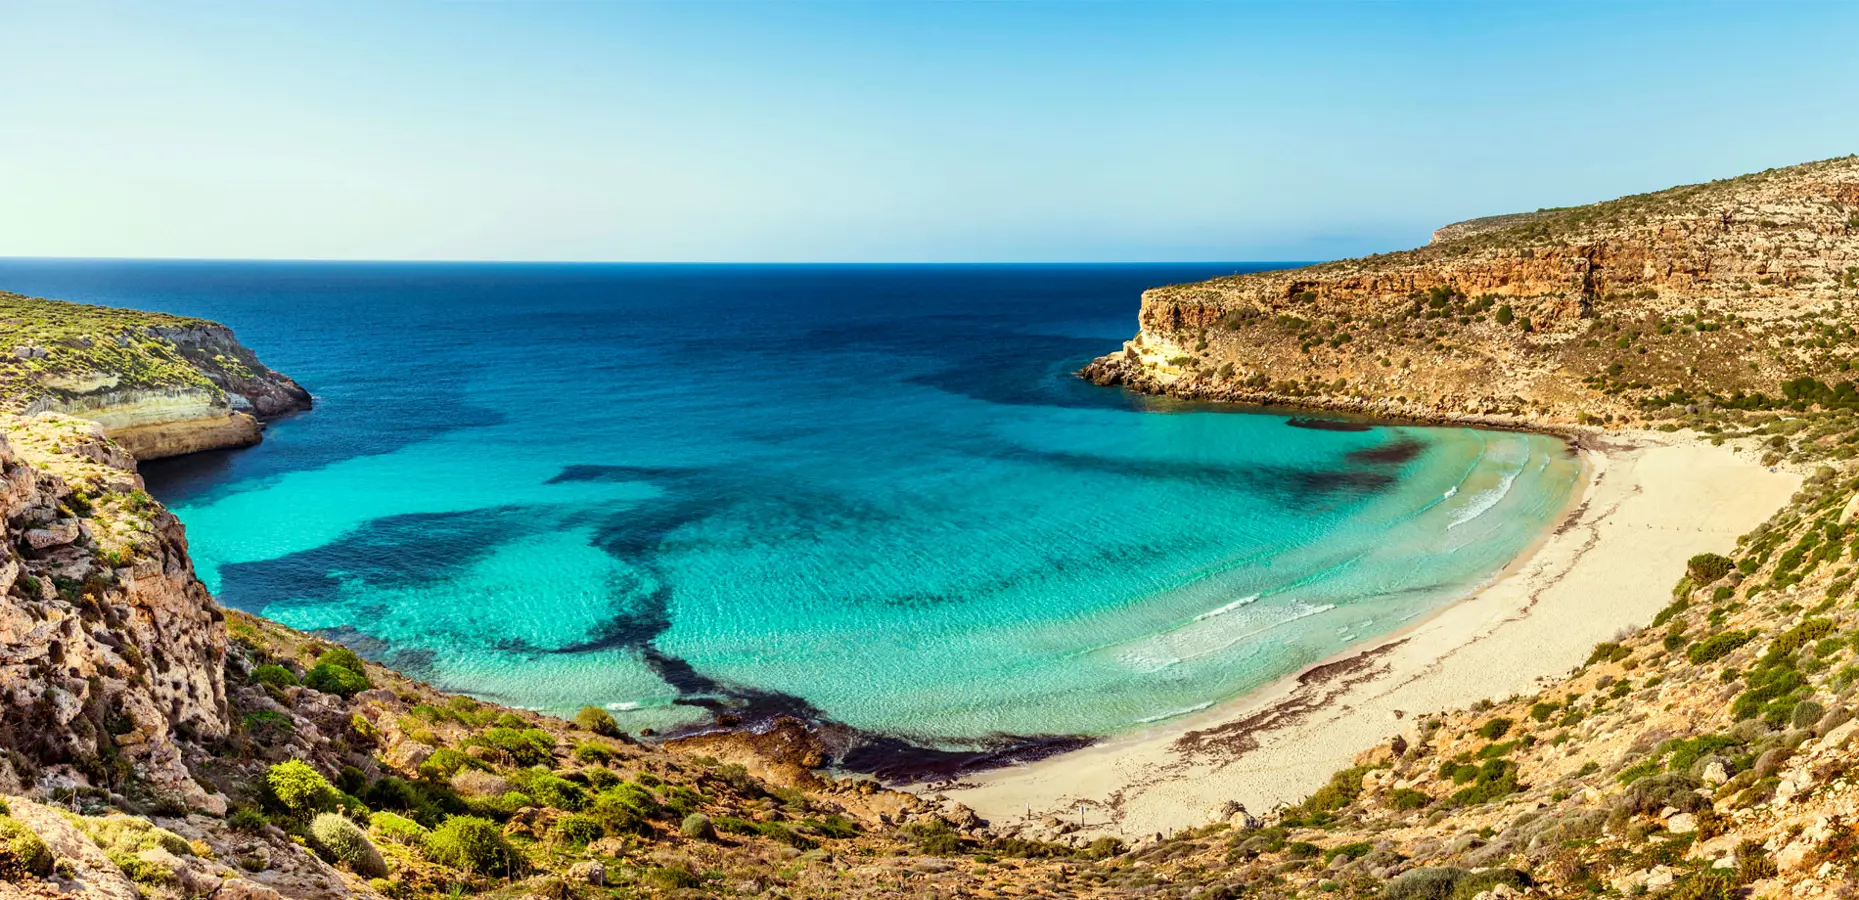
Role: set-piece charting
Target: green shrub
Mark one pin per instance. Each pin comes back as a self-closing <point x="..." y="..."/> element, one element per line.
<point x="1608" y="651"/>
<point x="1705" y="568"/>
<point x="933" y="836"/>
<point x="23" y="853"/>
<point x="577" y="830"/>
<point x="1806" y="713"/>
<point x="396" y="828"/>
<point x="1795" y="638"/>
<point x="333" y="679"/>
<point x="635" y="798"/>
<point x="1718" y="646"/>
<point x="300" y="789"/>
<point x="592" y="753"/>
<point x="274" y="676"/>
<point x="1355" y="850"/>
<point x="1709" y="885"/>
<point x="446" y="762"/>
<point x="525" y="746"/>
<point x="1342" y="789"/>
<point x="472" y="844"/>
<point x="1505" y="315"/>
<point x="1496" y="778"/>
<point x="142" y="871"/>
<point x="597" y="720"/>
<point x="1494" y="729"/>
<point x="1424" y="884"/>
<point x="1653" y="793"/>
<point x="342" y="657"/>
<point x="1409" y="799"/>
<point x="697" y="826"/>
<point x="343" y="841"/>
<point x="672" y="878"/>
<point x="119" y="833"/>
<point x="248" y="819"/>
<point x="550" y="789"/>
<point x="1542" y="711"/>
<point x="733" y="825"/>
<point x="681" y="801"/>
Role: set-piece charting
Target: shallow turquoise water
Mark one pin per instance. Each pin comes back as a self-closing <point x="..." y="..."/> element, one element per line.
<point x="871" y="494"/>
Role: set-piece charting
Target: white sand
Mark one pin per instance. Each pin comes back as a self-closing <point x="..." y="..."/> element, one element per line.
<point x="1649" y="503"/>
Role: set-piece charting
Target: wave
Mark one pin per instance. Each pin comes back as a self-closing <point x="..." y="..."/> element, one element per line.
<point x="1173" y="713"/>
<point x="1151" y="654"/>
<point x="1484" y="501"/>
<point x="1227" y="608"/>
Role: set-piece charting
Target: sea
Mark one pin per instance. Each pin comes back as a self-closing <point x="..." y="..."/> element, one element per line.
<point x="874" y="496"/>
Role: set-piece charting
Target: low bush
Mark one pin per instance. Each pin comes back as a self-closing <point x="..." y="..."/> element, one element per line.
<point x="1706" y="568"/>
<point x="472" y="844"/>
<point x="597" y="720"/>
<point x="524" y="746"/>
<point x="397" y="828"/>
<point x="342" y="657"/>
<point x="446" y="762"/>
<point x="550" y="789"/>
<point x="300" y="789"/>
<point x="697" y="826"/>
<point x="343" y="841"/>
<point x="577" y="830"/>
<point x="1655" y="792"/>
<point x="334" y="679"/>
<point x="1494" y="729"/>
<point x="23" y="853"/>
<point x="1717" y="646"/>
<point x="274" y="676"/>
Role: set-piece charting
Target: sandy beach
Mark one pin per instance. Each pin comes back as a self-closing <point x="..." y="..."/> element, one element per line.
<point x="1649" y="502"/>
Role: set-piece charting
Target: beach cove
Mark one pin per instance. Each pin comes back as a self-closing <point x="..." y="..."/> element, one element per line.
<point x="1650" y="501"/>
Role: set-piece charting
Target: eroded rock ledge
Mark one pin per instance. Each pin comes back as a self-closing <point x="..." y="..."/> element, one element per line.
<point x="159" y="385"/>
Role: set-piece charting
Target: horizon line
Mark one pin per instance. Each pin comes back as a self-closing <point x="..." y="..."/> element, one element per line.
<point x="641" y="262"/>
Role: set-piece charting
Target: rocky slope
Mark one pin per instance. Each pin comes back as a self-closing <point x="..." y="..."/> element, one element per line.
<point x="160" y="385"/>
<point x="1633" y="310"/>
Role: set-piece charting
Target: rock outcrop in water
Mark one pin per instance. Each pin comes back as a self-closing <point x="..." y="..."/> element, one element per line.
<point x="159" y="385"/>
<point x="1626" y="311"/>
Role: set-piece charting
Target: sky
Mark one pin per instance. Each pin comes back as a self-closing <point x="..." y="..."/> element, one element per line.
<point x="879" y="131"/>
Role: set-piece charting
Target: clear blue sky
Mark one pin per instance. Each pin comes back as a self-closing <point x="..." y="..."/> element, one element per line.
<point x="879" y="130"/>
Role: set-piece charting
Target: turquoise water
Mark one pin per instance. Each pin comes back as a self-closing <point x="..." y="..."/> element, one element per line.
<point x="871" y="495"/>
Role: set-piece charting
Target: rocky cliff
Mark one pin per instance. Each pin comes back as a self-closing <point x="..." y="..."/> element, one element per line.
<point x="1633" y="310"/>
<point x="159" y="385"/>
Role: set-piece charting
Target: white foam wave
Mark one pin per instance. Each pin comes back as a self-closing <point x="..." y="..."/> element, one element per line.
<point x="625" y="706"/>
<point x="1171" y="714"/>
<point x="1193" y="640"/>
<point x="1253" y="598"/>
<point x="1486" y="500"/>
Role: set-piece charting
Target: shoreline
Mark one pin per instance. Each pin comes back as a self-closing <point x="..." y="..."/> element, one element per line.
<point x="1648" y="501"/>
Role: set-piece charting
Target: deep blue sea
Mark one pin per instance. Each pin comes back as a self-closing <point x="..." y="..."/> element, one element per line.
<point x="875" y="493"/>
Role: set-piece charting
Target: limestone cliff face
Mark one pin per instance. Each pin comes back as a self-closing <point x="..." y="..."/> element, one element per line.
<point x="1541" y="318"/>
<point x="159" y="385"/>
<point x="110" y="649"/>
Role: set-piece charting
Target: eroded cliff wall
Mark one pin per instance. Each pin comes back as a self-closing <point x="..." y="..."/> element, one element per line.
<point x="1598" y="313"/>
<point x="110" y="648"/>
<point x="159" y="385"/>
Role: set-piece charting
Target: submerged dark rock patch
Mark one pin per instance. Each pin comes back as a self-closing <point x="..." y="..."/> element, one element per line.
<point x="1315" y="424"/>
<point x="1393" y="453"/>
<point x="394" y="551"/>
